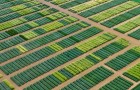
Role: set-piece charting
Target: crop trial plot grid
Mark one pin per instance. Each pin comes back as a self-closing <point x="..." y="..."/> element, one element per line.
<point x="69" y="45"/>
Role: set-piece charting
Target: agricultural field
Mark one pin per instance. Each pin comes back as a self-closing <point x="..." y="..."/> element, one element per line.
<point x="69" y="45"/>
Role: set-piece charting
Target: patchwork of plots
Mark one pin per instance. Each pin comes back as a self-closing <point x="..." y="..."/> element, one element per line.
<point x="42" y="48"/>
<point x="121" y="15"/>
